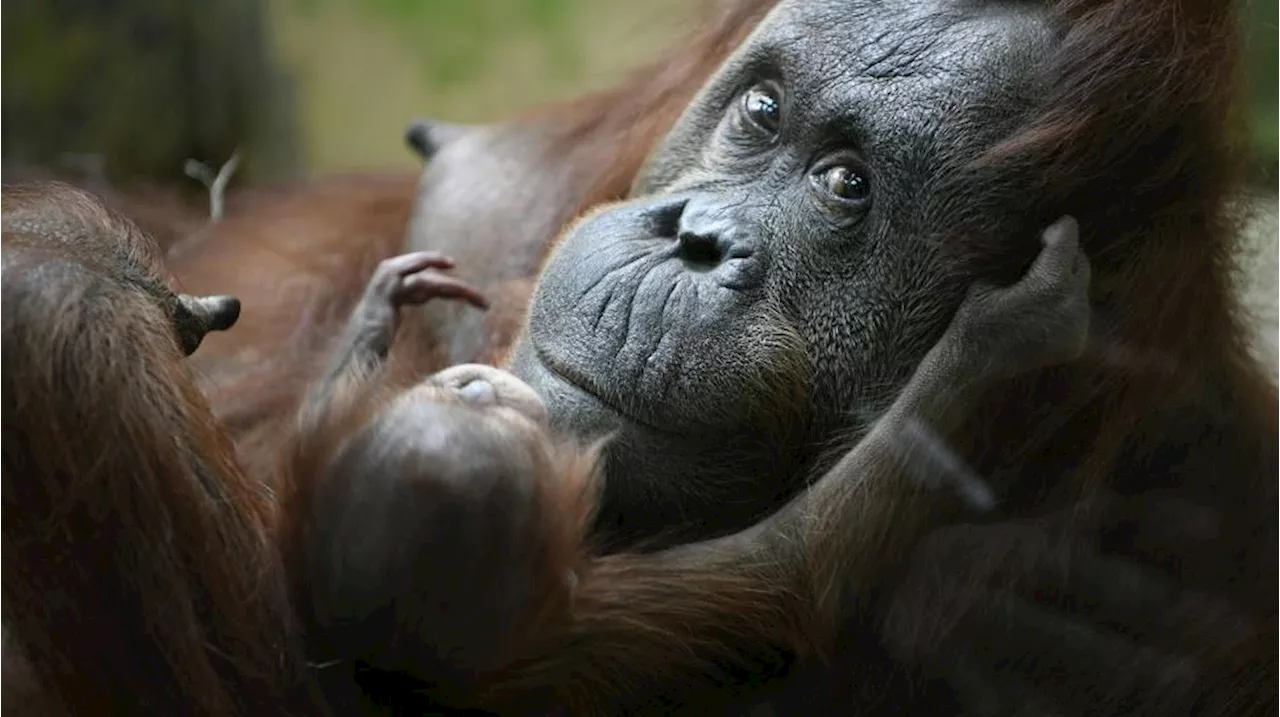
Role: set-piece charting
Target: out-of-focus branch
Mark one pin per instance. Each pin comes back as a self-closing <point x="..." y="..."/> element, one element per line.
<point x="216" y="183"/>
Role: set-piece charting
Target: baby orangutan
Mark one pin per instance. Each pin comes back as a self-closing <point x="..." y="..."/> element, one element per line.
<point x="432" y="530"/>
<point x="440" y="535"/>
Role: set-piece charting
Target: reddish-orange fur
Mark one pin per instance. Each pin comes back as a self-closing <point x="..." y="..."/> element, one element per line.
<point x="299" y="255"/>
<point x="138" y="568"/>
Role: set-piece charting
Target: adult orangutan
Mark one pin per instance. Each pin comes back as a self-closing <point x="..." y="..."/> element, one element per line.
<point x="795" y="246"/>
<point x="805" y="230"/>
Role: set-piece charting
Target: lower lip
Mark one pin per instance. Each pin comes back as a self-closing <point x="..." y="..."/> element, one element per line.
<point x="561" y="379"/>
<point x="574" y="390"/>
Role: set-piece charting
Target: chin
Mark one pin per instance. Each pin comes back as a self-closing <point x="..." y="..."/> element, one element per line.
<point x="573" y="411"/>
<point x="655" y="479"/>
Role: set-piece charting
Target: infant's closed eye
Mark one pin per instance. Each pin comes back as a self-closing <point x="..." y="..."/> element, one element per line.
<point x="478" y="393"/>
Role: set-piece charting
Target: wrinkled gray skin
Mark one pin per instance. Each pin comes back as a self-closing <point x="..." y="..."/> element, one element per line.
<point x="734" y="313"/>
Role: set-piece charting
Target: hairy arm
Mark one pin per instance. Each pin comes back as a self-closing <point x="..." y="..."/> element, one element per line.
<point x="360" y="353"/>
<point x="870" y="508"/>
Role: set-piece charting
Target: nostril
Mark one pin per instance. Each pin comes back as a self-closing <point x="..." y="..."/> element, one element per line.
<point x="664" y="220"/>
<point x="700" y="249"/>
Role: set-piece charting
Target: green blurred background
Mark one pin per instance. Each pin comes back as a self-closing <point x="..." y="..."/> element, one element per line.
<point x="132" y="88"/>
<point x="1260" y="34"/>
<point x="299" y="85"/>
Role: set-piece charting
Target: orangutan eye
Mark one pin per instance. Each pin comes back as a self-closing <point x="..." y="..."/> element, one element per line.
<point x="845" y="183"/>
<point x="761" y="107"/>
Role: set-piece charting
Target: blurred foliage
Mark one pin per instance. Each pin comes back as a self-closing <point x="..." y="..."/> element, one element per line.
<point x="365" y="68"/>
<point x="450" y="35"/>
<point x="1261" y="58"/>
<point x="142" y="84"/>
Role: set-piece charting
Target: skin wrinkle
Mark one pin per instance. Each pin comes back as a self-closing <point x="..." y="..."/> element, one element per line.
<point x="642" y="344"/>
<point x="633" y="284"/>
<point x="676" y="289"/>
<point x="605" y="303"/>
<point x="663" y="323"/>
<point x="627" y="315"/>
<point x="608" y="274"/>
<point x="623" y="296"/>
<point x="628" y="260"/>
<point x="630" y="342"/>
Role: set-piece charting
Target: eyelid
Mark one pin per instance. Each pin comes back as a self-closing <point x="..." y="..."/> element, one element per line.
<point x="833" y="157"/>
